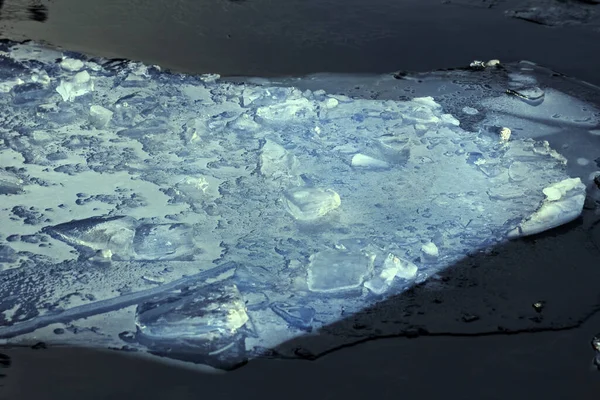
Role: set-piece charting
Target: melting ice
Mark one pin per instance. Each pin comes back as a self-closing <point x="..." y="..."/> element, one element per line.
<point x="123" y="186"/>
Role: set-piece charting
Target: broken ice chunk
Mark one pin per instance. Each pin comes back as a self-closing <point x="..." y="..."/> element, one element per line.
<point x="9" y="183"/>
<point x="363" y="161"/>
<point x="244" y="123"/>
<point x="164" y="242"/>
<point x="100" y="116"/>
<point x="201" y="324"/>
<point x="307" y="204"/>
<point x="563" y="203"/>
<point x="395" y="149"/>
<point x="300" y="317"/>
<point x="93" y="234"/>
<point x="78" y="86"/>
<point x="71" y="64"/>
<point x="275" y="161"/>
<point x="430" y="252"/>
<point x="196" y="314"/>
<point x="286" y="111"/>
<point x="337" y="270"/>
<point x="392" y="267"/>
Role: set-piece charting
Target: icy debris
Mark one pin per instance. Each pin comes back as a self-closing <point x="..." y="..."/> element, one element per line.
<point x="395" y="149"/>
<point x="7" y="86"/>
<point x="164" y="242"/>
<point x="79" y="85"/>
<point x="244" y="123"/>
<point x="300" y="317"/>
<point x="504" y="134"/>
<point x="363" y="161"/>
<point x="337" y="270"/>
<point x="275" y="161"/>
<point x="204" y="313"/>
<point x="200" y="324"/>
<point x="295" y="110"/>
<point x="308" y="204"/>
<point x="564" y="202"/>
<point x="100" y="116"/>
<point x="392" y="267"/>
<point x="430" y="252"/>
<point x="102" y="257"/>
<point x="90" y="235"/>
<point x="10" y="183"/>
<point x="71" y="64"/>
<point x="543" y="148"/>
<point x="31" y="93"/>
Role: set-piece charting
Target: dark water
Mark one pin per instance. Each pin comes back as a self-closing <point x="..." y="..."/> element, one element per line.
<point x="292" y="37"/>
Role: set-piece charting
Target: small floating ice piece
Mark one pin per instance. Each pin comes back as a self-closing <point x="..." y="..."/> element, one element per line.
<point x="363" y="161"/>
<point x="563" y="203"/>
<point x="392" y="267"/>
<point x="78" y="86"/>
<point x="100" y="116"/>
<point x="307" y="204"/>
<point x="337" y="270"/>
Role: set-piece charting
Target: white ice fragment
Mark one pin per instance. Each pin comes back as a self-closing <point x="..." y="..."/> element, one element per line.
<point x="392" y="267"/>
<point x="244" y="123"/>
<point x="363" y="161"/>
<point x="430" y="252"/>
<point x="331" y="103"/>
<point x="7" y="86"/>
<point x="307" y="204"/>
<point x="71" y="64"/>
<point x="100" y="116"/>
<point x="427" y="101"/>
<point x="337" y="270"/>
<point x="275" y="161"/>
<point x="289" y="110"/>
<point x="505" y="134"/>
<point x="78" y="86"/>
<point x="564" y="202"/>
<point x="595" y="132"/>
<point x="449" y="119"/>
<point x="41" y="77"/>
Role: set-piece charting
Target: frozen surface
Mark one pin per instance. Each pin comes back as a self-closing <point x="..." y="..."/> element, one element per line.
<point x="211" y="220"/>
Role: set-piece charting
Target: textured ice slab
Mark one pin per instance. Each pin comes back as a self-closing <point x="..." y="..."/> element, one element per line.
<point x="563" y="203"/>
<point x="234" y="216"/>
